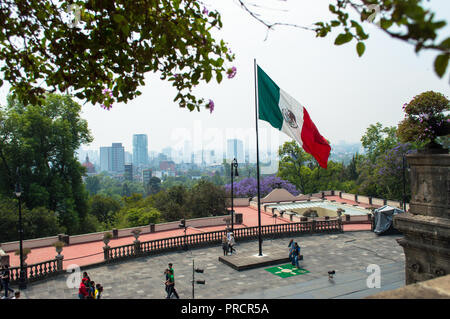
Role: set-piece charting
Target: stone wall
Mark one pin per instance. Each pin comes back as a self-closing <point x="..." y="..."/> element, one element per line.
<point x="426" y="226"/>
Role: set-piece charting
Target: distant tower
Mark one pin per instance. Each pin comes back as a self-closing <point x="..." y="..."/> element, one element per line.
<point x="90" y="169"/>
<point x="235" y="149"/>
<point x="140" y="150"/>
<point x="117" y="157"/>
<point x="105" y="159"/>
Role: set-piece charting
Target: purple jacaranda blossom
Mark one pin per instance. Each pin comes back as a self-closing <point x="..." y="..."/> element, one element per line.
<point x="205" y="11"/>
<point x="231" y="72"/>
<point x="211" y="106"/>
<point x="248" y="186"/>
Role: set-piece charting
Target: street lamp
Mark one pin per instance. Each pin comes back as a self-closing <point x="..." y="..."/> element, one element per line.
<point x="183" y="225"/>
<point x="22" y="275"/>
<point x="234" y="164"/>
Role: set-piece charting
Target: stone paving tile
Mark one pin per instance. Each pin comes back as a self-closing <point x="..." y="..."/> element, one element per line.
<point x="143" y="277"/>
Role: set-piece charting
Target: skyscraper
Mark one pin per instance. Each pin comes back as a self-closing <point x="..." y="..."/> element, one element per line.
<point x="117" y="157"/>
<point x="105" y="158"/>
<point x="140" y="150"/>
<point x="235" y="149"/>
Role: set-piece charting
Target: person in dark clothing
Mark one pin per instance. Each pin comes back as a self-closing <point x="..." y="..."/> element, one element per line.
<point x="225" y="245"/>
<point x="166" y="274"/>
<point x="5" y="280"/>
<point x="296" y="255"/>
<point x="291" y="248"/>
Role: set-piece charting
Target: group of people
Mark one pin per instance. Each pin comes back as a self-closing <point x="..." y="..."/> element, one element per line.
<point x="170" y="282"/>
<point x="228" y="243"/>
<point x="5" y="275"/>
<point x="294" y="253"/>
<point x="88" y="289"/>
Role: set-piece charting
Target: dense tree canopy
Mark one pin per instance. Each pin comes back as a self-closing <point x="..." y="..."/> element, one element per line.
<point x="102" y="49"/>
<point x="39" y="143"/>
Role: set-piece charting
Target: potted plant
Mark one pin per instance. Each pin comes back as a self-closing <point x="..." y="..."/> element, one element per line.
<point x="58" y="246"/>
<point x="136" y="233"/>
<point x="25" y="252"/>
<point x="107" y="238"/>
<point x="425" y="121"/>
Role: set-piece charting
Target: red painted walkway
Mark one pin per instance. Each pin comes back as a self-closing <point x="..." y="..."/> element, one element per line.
<point x="90" y="253"/>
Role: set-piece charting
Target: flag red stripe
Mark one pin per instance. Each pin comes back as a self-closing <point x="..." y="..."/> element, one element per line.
<point x="314" y="143"/>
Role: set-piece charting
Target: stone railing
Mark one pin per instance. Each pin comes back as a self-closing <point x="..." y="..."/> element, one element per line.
<point x="92" y="237"/>
<point x="38" y="271"/>
<point x="210" y="238"/>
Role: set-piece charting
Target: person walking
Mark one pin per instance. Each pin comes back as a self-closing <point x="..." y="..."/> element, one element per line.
<point x="91" y="290"/>
<point x="98" y="291"/>
<point x="291" y="248"/>
<point x="296" y="255"/>
<point x="5" y="280"/>
<point x="231" y="243"/>
<point x="171" y="284"/>
<point x="225" y="245"/>
<point x="82" y="290"/>
<point x="166" y="283"/>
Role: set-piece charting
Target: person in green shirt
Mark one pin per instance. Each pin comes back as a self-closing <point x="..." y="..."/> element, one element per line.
<point x="171" y="284"/>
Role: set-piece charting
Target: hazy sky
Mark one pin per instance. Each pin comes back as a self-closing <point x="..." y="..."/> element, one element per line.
<point x="343" y="94"/>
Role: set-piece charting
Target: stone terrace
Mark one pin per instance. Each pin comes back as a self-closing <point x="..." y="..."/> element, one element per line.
<point x="347" y="253"/>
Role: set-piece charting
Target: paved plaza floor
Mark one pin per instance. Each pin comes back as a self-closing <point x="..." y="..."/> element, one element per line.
<point x="349" y="254"/>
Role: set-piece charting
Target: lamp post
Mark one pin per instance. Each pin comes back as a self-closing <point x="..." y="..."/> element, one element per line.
<point x="183" y="225"/>
<point x="234" y="165"/>
<point x="22" y="275"/>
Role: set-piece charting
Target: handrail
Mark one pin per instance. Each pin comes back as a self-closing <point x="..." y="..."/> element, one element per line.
<point x="158" y="245"/>
<point x="36" y="271"/>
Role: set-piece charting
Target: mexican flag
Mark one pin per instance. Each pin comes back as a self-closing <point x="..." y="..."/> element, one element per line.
<point x="284" y="113"/>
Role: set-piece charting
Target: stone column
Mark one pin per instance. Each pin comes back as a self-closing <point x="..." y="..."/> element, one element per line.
<point x="426" y="226"/>
<point x="59" y="262"/>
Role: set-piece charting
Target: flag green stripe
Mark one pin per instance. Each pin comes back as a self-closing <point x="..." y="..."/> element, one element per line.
<point x="268" y="99"/>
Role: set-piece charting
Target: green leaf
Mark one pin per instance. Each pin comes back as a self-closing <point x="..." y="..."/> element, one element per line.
<point x="118" y="18"/>
<point x="441" y="63"/>
<point x="219" y="77"/>
<point x="343" y="38"/>
<point x="386" y="24"/>
<point x="360" y="48"/>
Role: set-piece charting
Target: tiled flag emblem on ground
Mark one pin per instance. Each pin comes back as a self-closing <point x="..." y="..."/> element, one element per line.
<point x="287" y="270"/>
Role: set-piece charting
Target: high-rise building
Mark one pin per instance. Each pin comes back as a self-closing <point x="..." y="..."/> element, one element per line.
<point x="146" y="176"/>
<point x="128" y="174"/>
<point x="140" y="150"/>
<point x="105" y="158"/>
<point x="117" y="157"/>
<point x="235" y="149"/>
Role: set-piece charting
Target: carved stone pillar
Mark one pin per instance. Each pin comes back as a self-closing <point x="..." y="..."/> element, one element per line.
<point x="426" y="226"/>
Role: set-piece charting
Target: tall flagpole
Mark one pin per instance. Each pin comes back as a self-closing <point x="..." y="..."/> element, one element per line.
<point x="257" y="160"/>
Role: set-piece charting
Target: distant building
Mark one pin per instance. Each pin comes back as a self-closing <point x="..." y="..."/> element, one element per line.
<point x="235" y="149"/>
<point x="90" y="169"/>
<point x="167" y="166"/>
<point x="112" y="158"/>
<point x="128" y="174"/>
<point x="118" y="157"/>
<point x="140" y="150"/>
<point x="105" y="158"/>
<point x="146" y="176"/>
